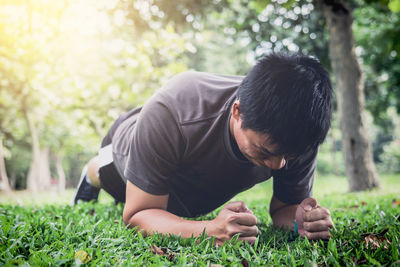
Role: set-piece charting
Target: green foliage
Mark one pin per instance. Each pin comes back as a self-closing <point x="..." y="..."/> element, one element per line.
<point x="377" y="35"/>
<point x="74" y="68"/>
<point x="53" y="234"/>
<point x="391" y="157"/>
<point x="394" y="5"/>
<point x="266" y="26"/>
<point x="330" y="158"/>
<point x="330" y="162"/>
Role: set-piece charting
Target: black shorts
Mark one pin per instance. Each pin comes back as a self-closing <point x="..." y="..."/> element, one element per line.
<point x="111" y="181"/>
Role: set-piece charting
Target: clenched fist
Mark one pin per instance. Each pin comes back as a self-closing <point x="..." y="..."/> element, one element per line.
<point x="313" y="221"/>
<point x="235" y="218"/>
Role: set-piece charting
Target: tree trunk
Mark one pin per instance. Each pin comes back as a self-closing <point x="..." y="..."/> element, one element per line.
<point x="360" y="168"/>
<point x="4" y="183"/>
<point x="60" y="172"/>
<point x="39" y="170"/>
<point x="13" y="180"/>
<point x="32" y="182"/>
<point x="44" y="170"/>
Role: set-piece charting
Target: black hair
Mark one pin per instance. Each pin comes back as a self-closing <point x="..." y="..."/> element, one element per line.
<point x="289" y="98"/>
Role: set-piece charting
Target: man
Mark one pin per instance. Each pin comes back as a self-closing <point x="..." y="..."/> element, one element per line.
<point x="205" y="137"/>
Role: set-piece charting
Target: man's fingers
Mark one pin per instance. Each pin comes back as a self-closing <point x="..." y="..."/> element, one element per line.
<point x="318" y="226"/>
<point x="316" y="215"/>
<point x="317" y="235"/>
<point x="309" y="203"/>
<point x="237" y="206"/>
<point x="245" y="219"/>
<point x="245" y="231"/>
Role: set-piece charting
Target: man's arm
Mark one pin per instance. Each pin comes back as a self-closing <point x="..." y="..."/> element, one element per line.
<point x="313" y="221"/>
<point x="148" y="213"/>
<point x="282" y="214"/>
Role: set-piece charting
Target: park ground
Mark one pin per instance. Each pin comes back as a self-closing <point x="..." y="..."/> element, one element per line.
<point x="43" y="229"/>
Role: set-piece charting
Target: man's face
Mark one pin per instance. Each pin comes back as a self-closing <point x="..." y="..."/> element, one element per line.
<point x="256" y="147"/>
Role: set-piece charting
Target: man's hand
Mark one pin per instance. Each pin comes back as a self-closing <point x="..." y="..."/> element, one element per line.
<point x="313" y="221"/>
<point x="235" y="218"/>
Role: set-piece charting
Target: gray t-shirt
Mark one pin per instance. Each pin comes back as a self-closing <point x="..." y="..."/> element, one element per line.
<point x="179" y="144"/>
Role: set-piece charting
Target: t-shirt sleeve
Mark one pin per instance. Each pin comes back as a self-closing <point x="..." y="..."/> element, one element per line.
<point x="156" y="148"/>
<point x="294" y="182"/>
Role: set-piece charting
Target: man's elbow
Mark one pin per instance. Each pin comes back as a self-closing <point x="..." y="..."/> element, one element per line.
<point x="131" y="220"/>
<point x="127" y="217"/>
<point x="127" y="220"/>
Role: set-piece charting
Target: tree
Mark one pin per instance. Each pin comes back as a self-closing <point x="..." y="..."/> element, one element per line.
<point x="71" y="68"/>
<point x="356" y="147"/>
<point x="26" y="34"/>
<point x="4" y="183"/>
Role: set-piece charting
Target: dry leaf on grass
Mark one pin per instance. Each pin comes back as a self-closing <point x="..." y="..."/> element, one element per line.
<point x="395" y="203"/>
<point x="363" y="203"/>
<point x="162" y="252"/>
<point x="156" y="250"/>
<point x="375" y="242"/>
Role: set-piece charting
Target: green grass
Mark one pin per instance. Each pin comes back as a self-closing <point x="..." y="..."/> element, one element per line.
<point x="47" y="231"/>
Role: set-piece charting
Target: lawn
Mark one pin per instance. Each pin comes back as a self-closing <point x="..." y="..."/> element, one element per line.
<point x="45" y="230"/>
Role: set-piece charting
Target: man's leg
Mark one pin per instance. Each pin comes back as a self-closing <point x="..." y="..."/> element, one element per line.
<point x="89" y="183"/>
<point x="102" y="168"/>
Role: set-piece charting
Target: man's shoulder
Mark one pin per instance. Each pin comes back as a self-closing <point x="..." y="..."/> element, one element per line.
<point x="193" y="95"/>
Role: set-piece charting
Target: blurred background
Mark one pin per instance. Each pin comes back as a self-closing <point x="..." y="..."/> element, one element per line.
<point x="68" y="69"/>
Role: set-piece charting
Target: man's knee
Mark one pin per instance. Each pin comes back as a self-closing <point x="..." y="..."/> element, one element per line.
<point x="92" y="172"/>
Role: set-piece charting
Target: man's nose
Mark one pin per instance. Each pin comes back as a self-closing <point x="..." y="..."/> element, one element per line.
<point x="275" y="163"/>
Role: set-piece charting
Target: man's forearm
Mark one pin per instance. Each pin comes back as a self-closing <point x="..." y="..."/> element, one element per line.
<point x="284" y="216"/>
<point x="161" y="221"/>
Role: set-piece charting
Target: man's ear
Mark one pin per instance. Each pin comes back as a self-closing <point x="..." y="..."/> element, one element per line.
<point x="236" y="110"/>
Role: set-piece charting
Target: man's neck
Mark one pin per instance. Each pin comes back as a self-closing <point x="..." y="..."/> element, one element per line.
<point x="235" y="147"/>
